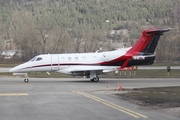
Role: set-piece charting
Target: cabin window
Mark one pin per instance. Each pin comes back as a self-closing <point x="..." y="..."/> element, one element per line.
<point x="84" y="58"/>
<point x="76" y="58"/>
<point x="69" y="58"/>
<point x="62" y="59"/>
<point x="39" y="59"/>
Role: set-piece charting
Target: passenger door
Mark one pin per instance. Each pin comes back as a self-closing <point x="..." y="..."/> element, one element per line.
<point x="54" y="62"/>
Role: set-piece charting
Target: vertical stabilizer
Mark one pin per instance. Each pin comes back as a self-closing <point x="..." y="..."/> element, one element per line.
<point x="148" y="41"/>
<point x="146" y="44"/>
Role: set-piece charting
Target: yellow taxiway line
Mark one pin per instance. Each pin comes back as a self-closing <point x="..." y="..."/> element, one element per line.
<point x="112" y="105"/>
<point x="14" y="94"/>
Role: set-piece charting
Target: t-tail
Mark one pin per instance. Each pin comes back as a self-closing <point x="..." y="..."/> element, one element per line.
<point x="142" y="53"/>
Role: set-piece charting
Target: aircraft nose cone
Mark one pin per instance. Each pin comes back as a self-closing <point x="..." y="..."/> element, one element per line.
<point x="14" y="69"/>
<point x="18" y="69"/>
<point x="11" y="70"/>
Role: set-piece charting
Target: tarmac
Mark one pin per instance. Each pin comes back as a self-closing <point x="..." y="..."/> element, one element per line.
<point x="76" y="99"/>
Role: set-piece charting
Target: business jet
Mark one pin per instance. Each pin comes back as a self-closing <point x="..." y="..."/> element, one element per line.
<point x="91" y="65"/>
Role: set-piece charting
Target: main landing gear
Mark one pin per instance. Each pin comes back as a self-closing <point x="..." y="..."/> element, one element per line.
<point x="26" y="79"/>
<point x="93" y="76"/>
<point x="95" y="79"/>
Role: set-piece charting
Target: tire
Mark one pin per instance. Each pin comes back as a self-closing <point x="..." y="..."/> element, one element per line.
<point x="96" y="79"/>
<point x="26" y="80"/>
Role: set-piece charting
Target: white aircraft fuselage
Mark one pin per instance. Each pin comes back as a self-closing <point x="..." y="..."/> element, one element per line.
<point x="93" y="64"/>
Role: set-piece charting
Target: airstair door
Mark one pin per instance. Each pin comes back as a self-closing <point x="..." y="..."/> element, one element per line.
<point x="55" y="62"/>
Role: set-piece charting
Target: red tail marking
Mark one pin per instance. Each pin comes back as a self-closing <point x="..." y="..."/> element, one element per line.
<point x="146" y="37"/>
<point x="125" y="63"/>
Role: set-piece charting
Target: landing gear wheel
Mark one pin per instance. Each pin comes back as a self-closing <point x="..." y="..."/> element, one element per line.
<point x="95" y="79"/>
<point x="26" y="80"/>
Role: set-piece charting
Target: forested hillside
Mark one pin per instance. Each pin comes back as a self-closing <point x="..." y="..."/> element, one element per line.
<point x="63" y="26"/>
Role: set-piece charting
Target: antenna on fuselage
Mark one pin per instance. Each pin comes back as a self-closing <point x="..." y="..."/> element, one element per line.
<point x="98" y="50"/>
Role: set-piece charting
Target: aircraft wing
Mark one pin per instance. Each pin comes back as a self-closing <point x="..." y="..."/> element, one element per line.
<point x="86" y="69"/>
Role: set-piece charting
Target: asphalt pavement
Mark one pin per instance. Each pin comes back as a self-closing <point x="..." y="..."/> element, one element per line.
<point x="75" y="99"/>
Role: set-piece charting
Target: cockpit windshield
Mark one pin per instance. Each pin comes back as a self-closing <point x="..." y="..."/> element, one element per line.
<point x="33" y="59"/>
<point x="39" y="59"/>
<point x="36" y="59"/>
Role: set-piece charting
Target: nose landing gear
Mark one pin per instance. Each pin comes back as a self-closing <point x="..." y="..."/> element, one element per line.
<point x="26" y="79"/>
